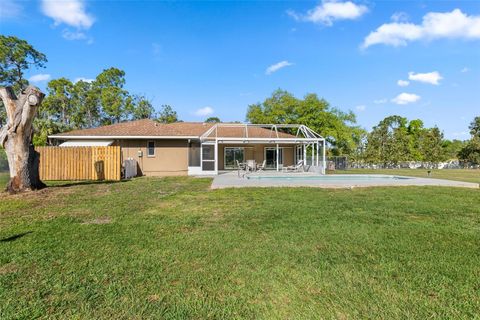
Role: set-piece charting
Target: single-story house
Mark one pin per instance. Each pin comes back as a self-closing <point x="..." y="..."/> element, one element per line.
<point x="195" y="148"/>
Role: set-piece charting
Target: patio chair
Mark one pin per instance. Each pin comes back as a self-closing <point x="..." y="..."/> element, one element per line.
<point x="261" y="167"/>
<point x="241" y="166"/>
<point x="294" y="168"/>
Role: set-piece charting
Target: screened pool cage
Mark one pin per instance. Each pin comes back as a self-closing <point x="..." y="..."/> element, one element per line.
<point x="224" y="145"/>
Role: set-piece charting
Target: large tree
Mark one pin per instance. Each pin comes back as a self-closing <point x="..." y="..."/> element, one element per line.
<point x="213" y="120"/>
<point x="141" y="108"/>
<point x="85" y="105"/>
<point x="339" y="128"/>
<point x="395" y="140"/>
<point x="20" y="103"/>
<point x="388" y="143"/>
<point x="167" y="115"/>
<point x="16" y="56"/>
<point x="114" y="100"/>
<point x="475" y="127"/>
<point x="58" y="104"/>
<point x="57" y="112"/>
<point x="470" y="153"/>
<point x="451" y="148"/>
<point x="432" y="146"/>
<point x="16" y="138"/>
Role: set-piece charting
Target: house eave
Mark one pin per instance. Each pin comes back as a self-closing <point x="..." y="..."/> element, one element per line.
<point x="67" y="137"/>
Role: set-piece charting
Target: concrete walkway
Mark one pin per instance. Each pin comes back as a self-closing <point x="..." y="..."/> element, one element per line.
<point x="276" y="179"/>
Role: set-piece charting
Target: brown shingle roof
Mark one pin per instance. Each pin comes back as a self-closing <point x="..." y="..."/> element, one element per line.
<point x="150" y="128"/>
<point x="145" y="128"/>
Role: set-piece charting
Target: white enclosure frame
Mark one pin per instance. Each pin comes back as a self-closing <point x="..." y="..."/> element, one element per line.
<point x="311" y="142"/>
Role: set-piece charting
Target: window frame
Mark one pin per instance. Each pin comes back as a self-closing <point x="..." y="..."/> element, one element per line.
<point x="148" y="149"/>
<point x="234" y="167"/>
<point x="280" y="157"/>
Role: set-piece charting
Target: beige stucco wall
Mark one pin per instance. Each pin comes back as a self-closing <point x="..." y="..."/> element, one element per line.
<point x="171" y="156"/>
<point x="170" y="159"/>
<point x="256" y="152"/>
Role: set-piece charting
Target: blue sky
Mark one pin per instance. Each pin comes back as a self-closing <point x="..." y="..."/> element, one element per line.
<point x="215" y="58"/>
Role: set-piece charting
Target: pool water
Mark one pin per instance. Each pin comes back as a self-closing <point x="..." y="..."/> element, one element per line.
<point x="331" y="178"/>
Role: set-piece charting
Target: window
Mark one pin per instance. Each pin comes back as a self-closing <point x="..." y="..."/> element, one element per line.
<point x="151" y="149"/>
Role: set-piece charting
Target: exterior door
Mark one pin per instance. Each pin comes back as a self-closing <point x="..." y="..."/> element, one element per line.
<point x="271" y="157"/>
<point x="208" y="157"/>
<point x="232" y="155"/>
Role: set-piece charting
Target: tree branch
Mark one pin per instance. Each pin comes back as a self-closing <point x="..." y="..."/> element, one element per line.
<point x="3" y="136"/>
<point x="9" y="98"/>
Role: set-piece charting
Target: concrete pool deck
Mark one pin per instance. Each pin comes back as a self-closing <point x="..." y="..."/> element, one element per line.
<point x="274" y="179"/>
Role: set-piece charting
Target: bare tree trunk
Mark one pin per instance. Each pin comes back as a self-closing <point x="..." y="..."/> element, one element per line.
<point x="16" y="138"/>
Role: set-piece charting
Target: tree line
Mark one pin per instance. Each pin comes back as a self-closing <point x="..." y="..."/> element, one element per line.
<point x="74" y="105"/>
<point x="87" y="104"/>
<point x="394" y="140"/>
<point x="105" y="100"/>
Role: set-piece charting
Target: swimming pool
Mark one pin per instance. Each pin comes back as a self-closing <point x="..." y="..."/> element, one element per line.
<point x="331" y="178"/>
<point x="304" y="179"/>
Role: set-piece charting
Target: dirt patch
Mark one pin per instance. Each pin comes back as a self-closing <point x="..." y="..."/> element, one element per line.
<point x="153" y="298"/>
<point x="8" y="268"/>
<point x="102" y="220"/>
<point x="216" y="216"/>
<point x="48" y="193"/>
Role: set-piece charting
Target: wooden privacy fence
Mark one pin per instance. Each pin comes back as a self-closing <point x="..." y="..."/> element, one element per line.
<point x="79" y="163"/>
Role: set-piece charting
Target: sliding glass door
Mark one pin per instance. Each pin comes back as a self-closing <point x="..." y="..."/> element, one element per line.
<point x="232" y="155"/>
<point x="271" y="157"/>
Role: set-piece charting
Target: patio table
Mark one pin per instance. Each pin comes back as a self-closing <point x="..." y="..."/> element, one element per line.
<point x="251" y="165"/>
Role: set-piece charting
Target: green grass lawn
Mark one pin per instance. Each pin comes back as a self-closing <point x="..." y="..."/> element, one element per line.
<point x="467" y="175"/>
<point x="3" y="179"/>
<point x="174" y="249"/>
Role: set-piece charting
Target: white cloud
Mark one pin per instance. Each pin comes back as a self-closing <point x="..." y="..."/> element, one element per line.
<point x="464" y="70"/>
<point x="203" y="112"/>
<point x="277" y="66"/>
<point x="69" y="12"/>
<point x="73" y="35"/>
<point x="83" y="79"/>
<point x="361" y="108"/>
<point x="380" y="101"/>
<point x="429" y="77"/>
<point x="399" y="17"/>
<point x="403" y="83"/>
<point x="10" y="9"/>
<point x="39" y="77"/>
<point x="405" y="98"/>
<point x="329" y="11"/>
<point x="435" y="25"/>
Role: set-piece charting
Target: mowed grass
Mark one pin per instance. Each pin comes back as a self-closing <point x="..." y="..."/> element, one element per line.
<point x="4" y="176"/>
<point x="466" y="175"/>
<point x="172" y="248"/>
